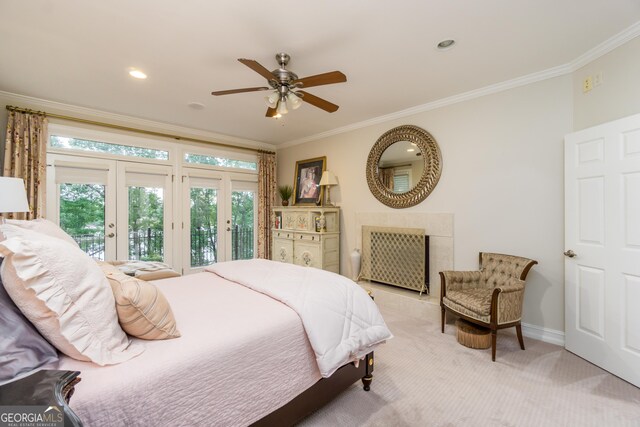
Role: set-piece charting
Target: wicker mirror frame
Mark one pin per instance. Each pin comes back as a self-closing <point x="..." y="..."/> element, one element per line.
<point x="431" y="157"/>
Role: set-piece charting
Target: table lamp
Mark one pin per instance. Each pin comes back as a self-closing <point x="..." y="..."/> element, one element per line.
<point x="328" y="179"/>
<point x="13" y="196"/>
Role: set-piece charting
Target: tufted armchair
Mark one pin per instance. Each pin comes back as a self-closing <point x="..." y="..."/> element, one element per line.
<point x="491" y="297"/>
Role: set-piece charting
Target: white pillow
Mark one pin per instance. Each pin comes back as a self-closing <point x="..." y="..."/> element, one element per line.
<point x="43" y="226"/>
<point x="65" y="295"/>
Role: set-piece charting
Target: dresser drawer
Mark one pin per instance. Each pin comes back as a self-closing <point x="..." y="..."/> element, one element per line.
<point x="283" y="234"/>
<point x="302" y="237"/>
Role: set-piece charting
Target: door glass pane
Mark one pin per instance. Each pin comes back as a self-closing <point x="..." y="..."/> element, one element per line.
<point x="242" y="207"/>
<point x="146" y="223"/>
<point x="204" y="226"/>
<point x="82" y="216"/>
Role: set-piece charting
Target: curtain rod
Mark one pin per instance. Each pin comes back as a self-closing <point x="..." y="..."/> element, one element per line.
<point x="130" y="129"/>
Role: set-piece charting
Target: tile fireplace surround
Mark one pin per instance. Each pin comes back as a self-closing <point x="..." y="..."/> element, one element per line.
<point x="439" y="228"/>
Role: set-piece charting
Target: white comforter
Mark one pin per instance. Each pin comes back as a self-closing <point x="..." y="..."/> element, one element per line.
<point x="342" y="322"/>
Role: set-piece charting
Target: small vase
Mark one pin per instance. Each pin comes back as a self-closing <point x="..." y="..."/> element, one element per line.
<point x="285" y="203"/>
<point x="322" y="222"/>
<point x="356" y="257"/>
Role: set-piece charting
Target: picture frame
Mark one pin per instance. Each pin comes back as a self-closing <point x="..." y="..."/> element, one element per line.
<point x="306" y="182"/>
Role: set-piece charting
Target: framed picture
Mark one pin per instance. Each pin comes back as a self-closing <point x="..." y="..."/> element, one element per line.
<point x="306" y="182"/>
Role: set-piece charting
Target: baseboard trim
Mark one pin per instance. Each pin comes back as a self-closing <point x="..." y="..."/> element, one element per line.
<point x="550" y="336"/>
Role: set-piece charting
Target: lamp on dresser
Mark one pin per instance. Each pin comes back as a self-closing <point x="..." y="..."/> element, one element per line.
<point x="328" y="179"/>
<point x="13" y="196"/>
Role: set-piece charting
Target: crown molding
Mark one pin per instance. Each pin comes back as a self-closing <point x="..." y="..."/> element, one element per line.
<point x="135" y="122"/>
<point x="455" y="99"/>
<point x="591" y="55"/>
<point x="606" y="47"/>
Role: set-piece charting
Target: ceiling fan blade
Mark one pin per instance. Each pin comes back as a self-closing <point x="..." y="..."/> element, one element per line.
<point x="255" y="66"/>
<point x="321" y="79"/>
<point x="318" y="102"/>
<point x="231" y="91"/>
<point x="271" y="112"/>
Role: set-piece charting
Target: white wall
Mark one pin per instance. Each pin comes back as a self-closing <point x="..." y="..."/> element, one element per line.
<point x="619" y="94"/>
<point x="502" y="179"/>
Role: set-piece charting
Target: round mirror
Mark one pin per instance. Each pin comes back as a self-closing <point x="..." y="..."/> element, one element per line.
<point x="404" y="166"/>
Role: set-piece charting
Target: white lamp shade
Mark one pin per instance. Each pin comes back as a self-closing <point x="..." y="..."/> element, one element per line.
<point x="272" y="100"/>
<point x="293" y="101"/>
<point x="328" y="178"/>
<point x="13" y="197"/>
<point x="282" y="107"/>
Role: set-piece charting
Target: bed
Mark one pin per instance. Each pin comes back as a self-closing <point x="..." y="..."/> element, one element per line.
<point x="246" y="356"/>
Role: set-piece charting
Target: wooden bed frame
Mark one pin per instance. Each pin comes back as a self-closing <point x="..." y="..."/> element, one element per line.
<point x="321" y="393"/>
<point x="48" y="387"/>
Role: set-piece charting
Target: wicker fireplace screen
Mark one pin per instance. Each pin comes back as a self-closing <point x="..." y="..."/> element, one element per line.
<point x="395" y="256"/>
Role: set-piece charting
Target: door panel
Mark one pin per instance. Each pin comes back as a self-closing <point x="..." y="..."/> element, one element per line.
<point x="202" y="194"/>
<point x="144" y="212"/>
<point x="602" y="226"/>
<point x="81" y="199"/>
<point x="243" y="207"/>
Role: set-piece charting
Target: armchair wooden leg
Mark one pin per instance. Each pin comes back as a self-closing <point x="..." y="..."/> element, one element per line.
<point x="494" y="337"/>
<point x="443" y="318"/>
<point x="519" y="332"/>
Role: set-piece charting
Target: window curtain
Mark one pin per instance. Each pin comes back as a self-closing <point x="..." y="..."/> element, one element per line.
<point x="25" y="153"/>
<point x="386" y="177"/>
<point x="266" y="197"/>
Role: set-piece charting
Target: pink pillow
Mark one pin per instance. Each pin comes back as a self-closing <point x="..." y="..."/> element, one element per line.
<point x="65" y="295"/>
<point x="43" y="226"/>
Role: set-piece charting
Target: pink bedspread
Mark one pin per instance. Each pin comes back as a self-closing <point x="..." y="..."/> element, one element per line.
<point x="241" y="356"/>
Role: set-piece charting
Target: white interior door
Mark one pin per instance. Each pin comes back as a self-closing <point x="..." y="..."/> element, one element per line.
<point x="81" y="198"/>
<point x="602" y="238"/>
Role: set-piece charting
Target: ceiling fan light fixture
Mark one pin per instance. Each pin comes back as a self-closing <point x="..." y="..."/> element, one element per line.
<point x="272" y="99"/>
<point x="282" y="107"/>
<point x="293" y="101"/>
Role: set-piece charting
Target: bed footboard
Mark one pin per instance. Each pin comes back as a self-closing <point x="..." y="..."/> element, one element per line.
<point x="320" y="394"/>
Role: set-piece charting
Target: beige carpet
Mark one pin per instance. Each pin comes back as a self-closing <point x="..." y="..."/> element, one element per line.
<point x="425" y="378"/>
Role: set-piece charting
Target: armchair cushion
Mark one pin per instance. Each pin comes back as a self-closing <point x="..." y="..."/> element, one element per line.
<point x="477" y="300"/>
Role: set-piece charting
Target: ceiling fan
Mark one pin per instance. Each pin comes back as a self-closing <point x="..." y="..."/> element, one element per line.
<point x="286" y="88"/>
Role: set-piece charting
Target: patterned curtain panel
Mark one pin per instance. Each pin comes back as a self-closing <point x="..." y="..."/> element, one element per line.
<point x="386" y="177"/>
<point x="25" y="154"/>
<point x="266" y="197"/>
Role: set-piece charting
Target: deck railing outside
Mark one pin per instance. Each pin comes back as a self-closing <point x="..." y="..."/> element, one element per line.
<point x="148" y="245"/>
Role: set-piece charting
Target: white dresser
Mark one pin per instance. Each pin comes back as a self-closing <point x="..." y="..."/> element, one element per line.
<point x="299" y="239"/>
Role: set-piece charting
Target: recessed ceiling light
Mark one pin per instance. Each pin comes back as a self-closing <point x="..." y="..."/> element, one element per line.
<point x="446" y="44"/>
<point x="196" y="105"/>
<point x="137" y="74"/>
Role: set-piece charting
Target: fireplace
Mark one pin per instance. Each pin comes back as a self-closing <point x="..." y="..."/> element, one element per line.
<point x="396" y="256"/>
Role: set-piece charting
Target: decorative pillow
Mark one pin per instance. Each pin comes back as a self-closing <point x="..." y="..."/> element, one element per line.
<point x="65" y="296"/>
<point x="22" y="348"/>
<point x="43" y="226"/>
<point x="145" y="270"/>
<point x="143" y="311"/>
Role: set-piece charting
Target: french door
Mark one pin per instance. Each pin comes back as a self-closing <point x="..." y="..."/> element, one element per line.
<point x="219" y="217"/>
<point x="113" y="209"/>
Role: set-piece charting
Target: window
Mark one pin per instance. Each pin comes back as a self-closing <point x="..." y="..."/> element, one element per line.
<point x="219" y="161"/>
<point x="401" y="181"/>
<point x="107" y="148"/>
